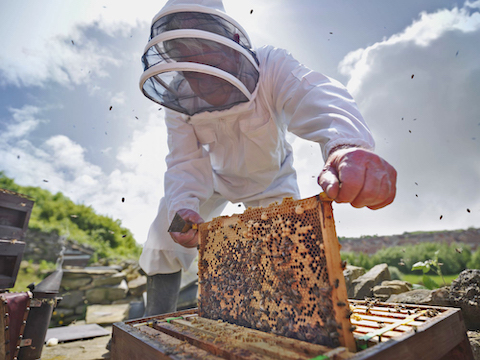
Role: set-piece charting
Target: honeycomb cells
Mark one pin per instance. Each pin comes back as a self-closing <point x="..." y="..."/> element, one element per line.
<point x="266" y="269"/>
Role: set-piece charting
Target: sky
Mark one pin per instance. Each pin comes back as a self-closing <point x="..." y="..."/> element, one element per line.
<point x="73" y="120"/>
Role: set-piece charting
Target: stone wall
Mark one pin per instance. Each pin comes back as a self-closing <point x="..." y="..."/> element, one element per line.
<point x="82" y="288"/>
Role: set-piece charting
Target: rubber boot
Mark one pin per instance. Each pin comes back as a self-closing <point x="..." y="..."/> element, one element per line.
<point x="162" y="293"/>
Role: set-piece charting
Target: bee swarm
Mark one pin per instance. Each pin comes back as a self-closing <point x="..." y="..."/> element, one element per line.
<point x="276" y="269"/>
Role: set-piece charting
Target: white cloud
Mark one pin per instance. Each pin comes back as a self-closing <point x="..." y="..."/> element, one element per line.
<point x="56" y="47"/>
<point x="419" y="91"/>
<point x="428" y="28"/>
<point x="56" y="59"/>
<point x="24" y="122"/>
<point x="59" y="164"/>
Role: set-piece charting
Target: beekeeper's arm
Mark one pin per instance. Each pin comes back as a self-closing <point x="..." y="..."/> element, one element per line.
<point x="320" y="109"/>
<point x="188" y="179"/>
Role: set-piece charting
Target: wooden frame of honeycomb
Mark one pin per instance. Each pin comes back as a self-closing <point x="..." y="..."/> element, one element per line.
<point x="277" y="269"/>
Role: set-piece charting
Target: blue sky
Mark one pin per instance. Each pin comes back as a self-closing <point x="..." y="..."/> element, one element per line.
<point x="72" y="118"/>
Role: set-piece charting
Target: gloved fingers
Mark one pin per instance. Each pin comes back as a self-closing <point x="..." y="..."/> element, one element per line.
<point x="328" y="180"/>
<point x="188" y="239"/>
<point x="374" y="190"/>
<point x="386" y="195"/>
<point x="363" y="178"/>
<point x="352" y="178"/>
<point x="190" y="215"/>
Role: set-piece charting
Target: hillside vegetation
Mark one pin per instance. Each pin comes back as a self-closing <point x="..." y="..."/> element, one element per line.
<point x="55" y="213"/>
<point x="454" y="258"/>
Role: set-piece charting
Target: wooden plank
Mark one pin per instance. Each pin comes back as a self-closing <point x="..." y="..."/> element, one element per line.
<point x="184" y="313"/>
<point x="207" y="342"/>
<point x="236" y="342"/>
<point x="177" y="346"/>
<point x="335" y="273"/>
<point x="143" y="342"/>
<point x="300" y="347"/>
<point x="375" y="322"/>
<point x="462" y="351"/>
<point x="131" y="344"/>
<point x="76" y="332"/>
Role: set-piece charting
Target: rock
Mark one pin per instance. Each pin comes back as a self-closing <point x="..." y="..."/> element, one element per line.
<point x="73" y="283"/>
<point x="138" y="286"/>
<point x="80" y="309"/>
<point x="419" y="296"/>
<point x="72" y="299"/>
<point x="465" y="294"/>
<point x="89" y="271"/>
<point x="114" y="279"/>
<point x="118" y="292"/>
<point x="440" y="297"/>
<point x="107" y="294"/>
<point x="351" y="273"/>
<point x="97" y="296"/>
<point x="128" y="300"/>
<point x="107" y="314"/>
<point x="474" y="338"/>
<point x="362" y="287"/>
<point x="52" y="342"/>
<point x="389" y="287"/>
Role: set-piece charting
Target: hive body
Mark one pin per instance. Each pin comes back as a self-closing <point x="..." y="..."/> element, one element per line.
<point x="276" y="269"/>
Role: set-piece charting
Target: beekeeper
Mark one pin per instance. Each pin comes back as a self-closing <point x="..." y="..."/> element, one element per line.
<point x="228" y="110"/>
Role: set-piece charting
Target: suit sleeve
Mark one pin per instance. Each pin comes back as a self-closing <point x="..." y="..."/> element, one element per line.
<point x="311" y="105"/>
<point x="188" y="179"/>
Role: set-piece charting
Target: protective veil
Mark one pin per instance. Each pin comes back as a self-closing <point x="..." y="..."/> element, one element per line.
<point x="198" y="59"/>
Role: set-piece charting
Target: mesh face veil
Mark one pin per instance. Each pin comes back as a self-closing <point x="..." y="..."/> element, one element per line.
<point x="198" y="59"/>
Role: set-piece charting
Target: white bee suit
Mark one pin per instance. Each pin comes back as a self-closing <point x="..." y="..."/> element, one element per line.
<point x="241" y="154"/>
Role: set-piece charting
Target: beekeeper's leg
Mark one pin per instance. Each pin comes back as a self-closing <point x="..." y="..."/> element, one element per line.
<point x="163" y="290"/>
<point x="162" y="259"/>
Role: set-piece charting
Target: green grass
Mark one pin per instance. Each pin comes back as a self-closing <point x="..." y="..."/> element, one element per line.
<point x="417" y="279"/>
<point x="31" y="273"/>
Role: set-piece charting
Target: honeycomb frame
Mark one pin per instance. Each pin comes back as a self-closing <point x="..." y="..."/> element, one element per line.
<point x="277" y="269"/>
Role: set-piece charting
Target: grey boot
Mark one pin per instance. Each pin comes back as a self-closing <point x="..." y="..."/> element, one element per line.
<point x="162" y="293"/>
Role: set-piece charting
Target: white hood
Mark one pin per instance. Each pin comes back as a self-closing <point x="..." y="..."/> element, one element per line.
<point x="198" y="58"/>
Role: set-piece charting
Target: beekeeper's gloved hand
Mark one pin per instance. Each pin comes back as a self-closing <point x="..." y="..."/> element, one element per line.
<point x="360" y="177"/>
<point x="188" y="239"/>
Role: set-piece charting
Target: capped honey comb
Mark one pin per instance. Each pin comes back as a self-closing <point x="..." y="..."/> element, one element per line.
<point x="277" y="269"/>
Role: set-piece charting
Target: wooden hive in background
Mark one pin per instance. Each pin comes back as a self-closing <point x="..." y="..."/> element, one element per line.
<point x="15" y="210"/>
<point x="277" y="269"/>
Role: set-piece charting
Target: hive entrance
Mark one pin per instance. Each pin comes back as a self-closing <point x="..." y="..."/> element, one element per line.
<point x="276" y="269"/>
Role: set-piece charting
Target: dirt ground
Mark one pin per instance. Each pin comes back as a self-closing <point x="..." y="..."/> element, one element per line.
<point x="94" y="349"/>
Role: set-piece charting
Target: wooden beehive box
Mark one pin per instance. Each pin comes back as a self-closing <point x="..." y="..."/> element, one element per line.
<point x="410" y="332"/>
<point x="271" y="286"/>
<point x="277" y="269"/>
<point x="15" y="210"/>
<point x="11" y="253"/>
